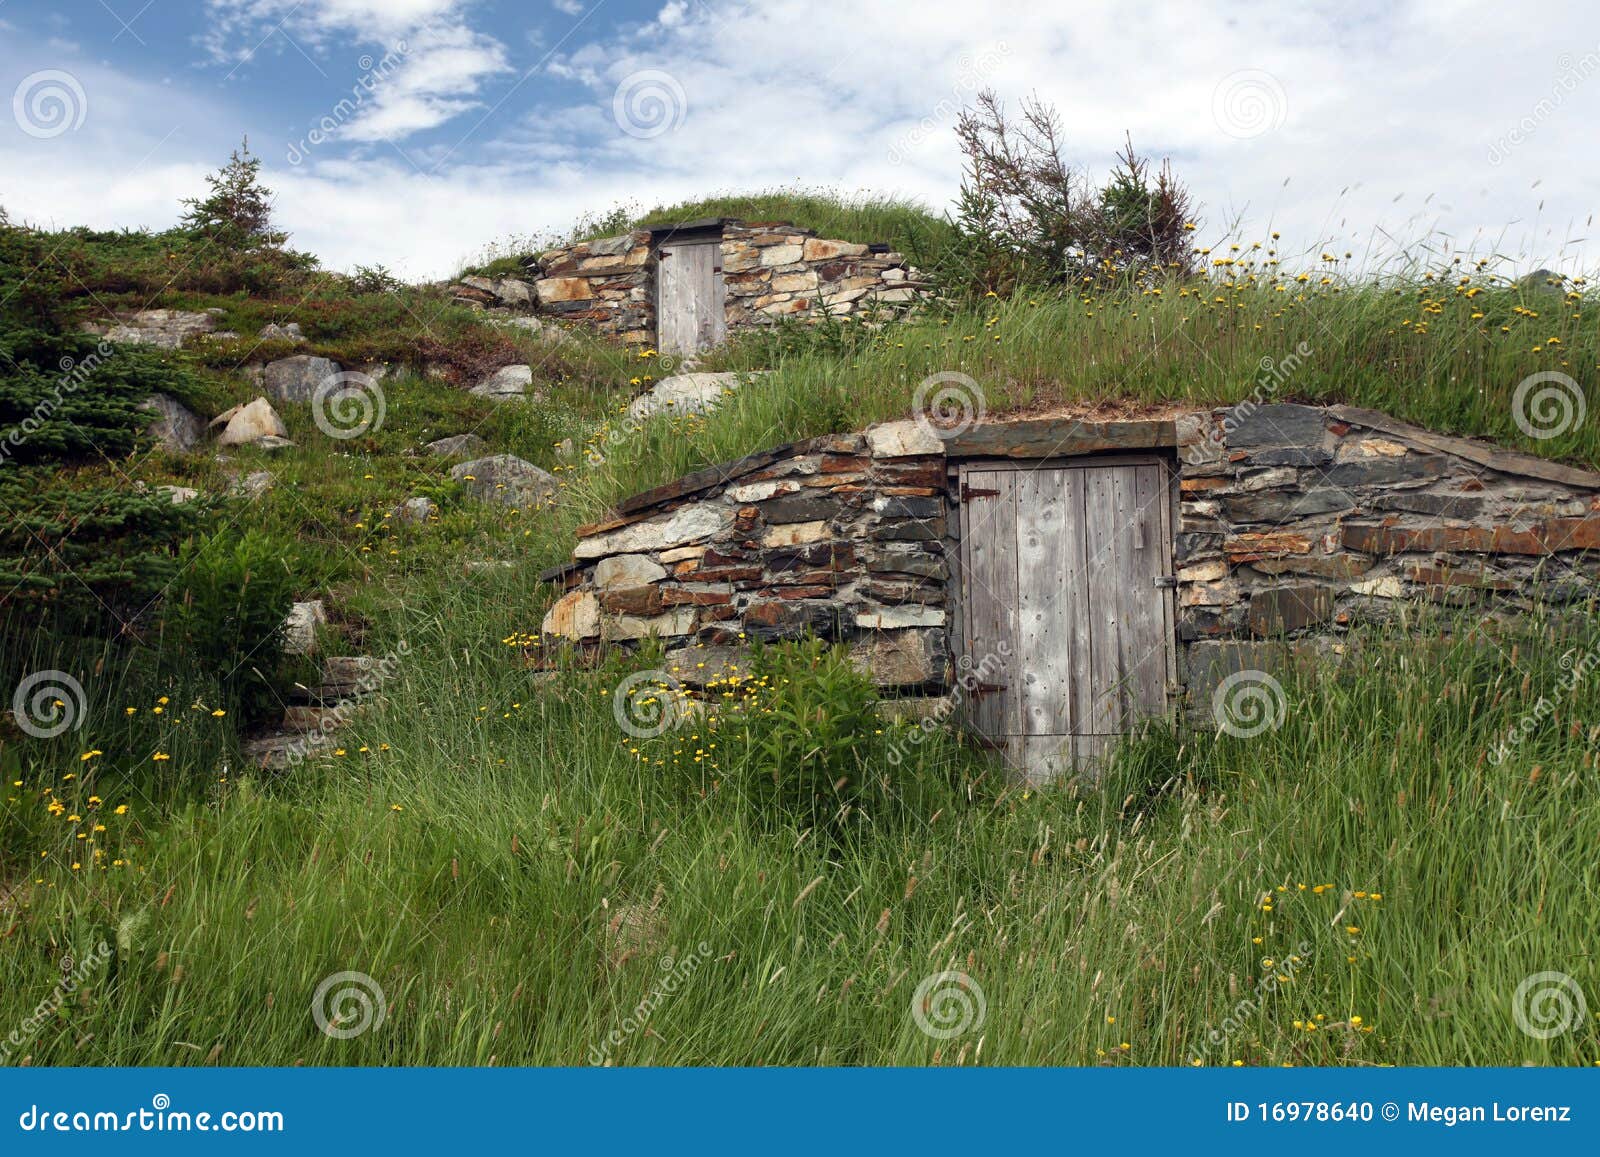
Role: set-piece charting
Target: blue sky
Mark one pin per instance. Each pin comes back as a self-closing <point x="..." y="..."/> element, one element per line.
<point x="416" y="132"/>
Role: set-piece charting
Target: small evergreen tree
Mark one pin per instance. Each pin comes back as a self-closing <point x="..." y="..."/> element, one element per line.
<point x="237" y="214"/>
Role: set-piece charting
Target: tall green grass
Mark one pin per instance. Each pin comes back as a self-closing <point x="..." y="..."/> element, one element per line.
<point x="489" y="851"/>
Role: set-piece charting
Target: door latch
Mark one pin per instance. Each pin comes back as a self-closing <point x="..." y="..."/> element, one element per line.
<point x="1165" y="582"/>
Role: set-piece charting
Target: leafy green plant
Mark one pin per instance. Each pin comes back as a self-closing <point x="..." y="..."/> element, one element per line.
<point x="227" y="611"/>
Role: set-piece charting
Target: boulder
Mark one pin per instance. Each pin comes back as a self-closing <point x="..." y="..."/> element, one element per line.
<point x="300" y="627"/>
<point x="505" y="479"/>
<point x="685" y="394"/>
<point x="272" y="331"/>
<point x="456" y="445"/>
<point x="414" y="511"/>
<point x="296" y="379"/>
<point x="508" y="383"/>
<point x="249" y="423"/>
<point x="1542" y="281"/>
<point x="179" y="494"/>
<point x="256" y="483"/>
<point x="174" y="427"/>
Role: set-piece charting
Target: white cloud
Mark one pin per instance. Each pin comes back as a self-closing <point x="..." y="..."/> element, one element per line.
<point x="1379" y="120"/>
<point x="443" y="63"/>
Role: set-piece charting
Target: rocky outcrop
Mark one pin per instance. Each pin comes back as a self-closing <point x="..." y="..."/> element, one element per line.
<point x="507" y="480"/>
<point x="163" y="328"/>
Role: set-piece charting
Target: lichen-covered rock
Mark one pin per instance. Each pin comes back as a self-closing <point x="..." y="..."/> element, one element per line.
<point x="506" y="479"/>
<point x="508" y="383"/>
<point x="163" y="328"/>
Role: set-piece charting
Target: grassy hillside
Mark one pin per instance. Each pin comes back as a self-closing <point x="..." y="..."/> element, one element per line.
<point x="514" y="870"/>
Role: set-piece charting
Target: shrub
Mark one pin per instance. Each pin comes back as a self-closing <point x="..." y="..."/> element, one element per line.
<point x="226" y="614"/>
<point x="1024" y="215"/>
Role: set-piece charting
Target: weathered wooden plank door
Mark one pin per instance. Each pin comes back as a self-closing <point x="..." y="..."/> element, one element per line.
<point x="1062" y="575"/>
<point x="689" y="296"/>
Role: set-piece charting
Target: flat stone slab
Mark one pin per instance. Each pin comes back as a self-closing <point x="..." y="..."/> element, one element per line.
<point x="686" y="394"/>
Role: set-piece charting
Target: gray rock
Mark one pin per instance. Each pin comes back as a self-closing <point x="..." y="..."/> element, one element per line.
<point x="300" y="627"/>
<point x="1278" y="425"/>
<point x="508" y="383"/>
<point x="1279" y="506"/>
<point x="174" y="427"/>
<point x="456" y="445"/>
<point x="414" y="511"/>
<point x="1542" y="282"/>
<point x="272" y="331"/>
<point x="685" y="394"/>
<point x="505" y="479"/>
<point x="296" y="379"/>
<point x="179" y="494"/>
<point x="256" y="483"/>
<point x="270" y="442"/>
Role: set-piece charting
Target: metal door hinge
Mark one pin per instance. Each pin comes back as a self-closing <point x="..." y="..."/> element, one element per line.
<point x="968" y="493"/>
<point x="1165" y="582"/>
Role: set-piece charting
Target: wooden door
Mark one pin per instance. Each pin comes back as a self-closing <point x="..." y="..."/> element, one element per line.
<point x="689" y="298"/>
<point x="1067" y="617"/>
